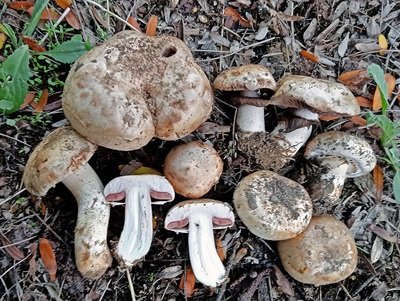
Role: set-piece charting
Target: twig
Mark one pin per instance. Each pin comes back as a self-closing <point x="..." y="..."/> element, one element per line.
<point x="64" y="14"/>
<point x="15" y="139"/>
<point x="131" y="289"/>
<point x="51" y="230"/>
<point x="13" y="196"/>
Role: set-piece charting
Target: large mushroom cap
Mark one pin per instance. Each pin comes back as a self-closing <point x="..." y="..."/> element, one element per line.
<point x="248" y="77"/>
<point x="59" y="155"/>
<point x="133" y="87"/>
<point x="271" y="206"/>
<point x="318" y="95"/>
<point x="324" y="253"/>
<point x="193" y="168"/>
<point x="355" y="150"/>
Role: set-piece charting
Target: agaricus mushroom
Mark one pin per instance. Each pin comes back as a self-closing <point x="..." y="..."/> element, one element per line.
<point x="271" y="151"/>
<point x="133" y="87"/>
<point x="137" y="234"/>
<point x="62" y="157"/>
<point x="340" y="155"/>
<point x="199" y="218"/>
<point x="271" y="206"/>
<point x="322" y="254"/>
<point x="193" y="168"/>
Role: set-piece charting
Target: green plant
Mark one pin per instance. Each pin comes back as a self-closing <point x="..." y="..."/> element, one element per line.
<point x="390" y="137"/>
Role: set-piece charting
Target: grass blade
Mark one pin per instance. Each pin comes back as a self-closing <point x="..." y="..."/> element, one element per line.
<point x="39" y="7"/>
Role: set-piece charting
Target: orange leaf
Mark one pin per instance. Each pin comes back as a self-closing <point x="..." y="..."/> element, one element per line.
<point x="353" y="74"/>
<point x="328" y="117"/>
<point x="220" y="250"/>
<point x="47" y="14"/>
<point x="33" y="45"/>
<point x="48" y="257"/>
<point x="11" y="249"/>
<point x="73" y="20"/>
<point x="23" y="5"/>
<point x="309" y="56"/>
<point x="390" y="83"/>
<point x="39" y="106"/>
<point x="151" y="27"/>
<point x="132" y="21"/>
<point x="231" y="12"/>
<point x="364" y="102"/>
<point x="378" y="181"/>
<point x="188" y="282"/>
<point x="358" y="120"/>
<point x="29" y="97"/>
<point x="64" y="3"/>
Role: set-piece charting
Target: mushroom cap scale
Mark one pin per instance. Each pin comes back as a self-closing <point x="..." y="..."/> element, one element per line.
<point x="318" y="95"/>
<point x="324" y="253"/>
<point x="59" y="155"/>
<point x="220" y="212"/>
<point x="271" y="206"/>
<point x="248" y="77"/>
<point x="355" y="150"/>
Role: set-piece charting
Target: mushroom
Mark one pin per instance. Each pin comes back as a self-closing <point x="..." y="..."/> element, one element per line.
<point x="63" y="157"/>
<point x="199" y="218"/>
<point x="271" y="151"/>
<point x="137" y="234"/>
<point x="133" y="87"/>
<point x="322" y="254"/>
<point x="271" y="206"/>
<point x="340" y="155"/>
<point x="193" y="168"/>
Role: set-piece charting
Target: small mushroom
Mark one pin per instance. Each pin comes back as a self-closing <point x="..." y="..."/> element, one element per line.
<point x="135" y="87"/>
<point x="322" y="254"/>
<point x="137" y="234"/>
<point x="340" y="155"/>
<point x="271" y="206"/>
<point x="199" y="218"/>
<point x="62" y="157"/>
<point x="193" y="168"/>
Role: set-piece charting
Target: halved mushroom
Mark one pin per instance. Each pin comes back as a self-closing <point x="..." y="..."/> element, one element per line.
<point x="340" y="155"/>
<point x="62" y="157"/>
<point x="133" y="87"/>
<point x="137" y="234"/>
<point x="271" y="206"/>
<point x="199" y="218"/>
<point x="193" y="168"/>
<point x="322" y="254"/>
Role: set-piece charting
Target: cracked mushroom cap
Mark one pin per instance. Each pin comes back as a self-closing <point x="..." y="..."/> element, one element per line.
<point x="355" y="150"/>
<point x="318" y="95"/>
<point x="271" y="206"/>
<point x="59" y="155"/>
<point x="133" y="87"/>
<point x="322" y="254"/>
<point x="193" y="168"/>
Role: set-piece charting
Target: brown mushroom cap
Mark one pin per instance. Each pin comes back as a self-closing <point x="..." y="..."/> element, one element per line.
<point x="322" y="254"/>
<point x="271" y="206"/>
<point x="193" y="168"/>
<point x="320" y="96"/>
<point x="133" y="87"/>
<point x="59" y="155"/>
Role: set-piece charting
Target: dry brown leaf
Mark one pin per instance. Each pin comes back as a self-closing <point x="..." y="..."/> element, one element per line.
<point x="383" y="233"/>
<point x="29" y="97"/>
<point x="132" y="21"/>
<point x="377" y="249"/>
<point x="220" y="250"/>
<point x="39" y="106"/>
<point x="358" y="120"/>
<point x="240" y="254"/>
<point x="151" y="28"/>
<point x="328" y="117"/>
<point x="33" y="265"/>
<point x="353" y="75"/>
<point x="188" y="282"/>
<point x="283" y="282"/>
<point x="48" y="257"/>
<point x="11" y="250"/>
<point x="233" y="13"/>
<point x="73" y="20"/>
<point x="64" y="3"/>
<point x="48" y="14"/>
<point x="32" y="44"/>
<point x="364" y="102"/>
<point x="377" y="174"/>
<point x="21" y="5"/>
<point x="309" y="56"/>
<point x="391" y="84"/>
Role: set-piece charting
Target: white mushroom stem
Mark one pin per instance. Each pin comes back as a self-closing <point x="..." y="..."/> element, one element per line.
<point x="91" y="251"/>
<point x="250" y="118"/>
<point x="207" y="266"/>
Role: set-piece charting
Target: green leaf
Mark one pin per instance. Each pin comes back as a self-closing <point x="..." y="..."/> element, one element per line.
<point x="378" y="75"/>
<point x="69" y="51"/>
<point x="396" y="186"/>
<point x="38" y="9"/>
<point x="14" y="75"/>
<point x="10" y="33"/>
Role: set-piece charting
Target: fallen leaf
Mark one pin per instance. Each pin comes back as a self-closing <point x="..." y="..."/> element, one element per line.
<point x="383" y="233"/>
<point x="47" y="14"/>
<point x="11" y="250"/>
<point x="29" y="97"/>
<point x="151" y="28"/>
<point x="73" y="20"/>
<point x="144" y="170"/>
<point x="32" y="44"/>
<point x="211" y="128"/>
<point x="231" y="12"/>
<point x="33" y="265"/>
<point x="188" y="282"/>
<point x="21" y="5"/>
<point x="170" y="272"/>
<point x="239" y="255"/>
<point x="220" y="250"/>
<point x="377" y="174"/>
<point x="328" y="117"/>
<point x="48" y="257"/>
<point x="377" y="249"/>
<point x="364" y="102"/>
<point x="132" y="21"/>
<point x="283" y="282"/>
<point x="39" y="106"/>
<point x="309" y="56"/>
<point x="383" y="43"/>
<point x="3" y="39"/>
<point x="64" y="3"/>
<point x="391" y="84"/>
<point x="353" y="76"/>
<point x="358" y="120"/>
